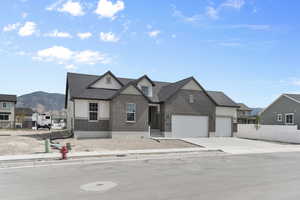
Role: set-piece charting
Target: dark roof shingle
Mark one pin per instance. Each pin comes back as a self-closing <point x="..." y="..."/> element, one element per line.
<point x="7" y="97"/>
<point x="222" y="99"/>
<point x="161" y="90"/>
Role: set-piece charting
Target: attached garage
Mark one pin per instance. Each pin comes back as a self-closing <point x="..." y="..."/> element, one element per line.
<point x="184" y="126"/>
<point x="223" y="127"/>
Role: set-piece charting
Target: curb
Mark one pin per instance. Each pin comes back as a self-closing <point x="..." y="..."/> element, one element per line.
<point x="51" y="156"/>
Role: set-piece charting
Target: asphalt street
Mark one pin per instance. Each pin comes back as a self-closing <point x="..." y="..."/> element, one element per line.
<point x="233" y="177"/>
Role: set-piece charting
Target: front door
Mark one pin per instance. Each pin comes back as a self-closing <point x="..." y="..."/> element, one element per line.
<point x="153" y="117"/>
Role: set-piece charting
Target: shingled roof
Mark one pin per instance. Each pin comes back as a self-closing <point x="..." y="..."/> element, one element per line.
<point x="162" y="91"/>
<point x="222" y="99"/>
<point x="9" y="98"/>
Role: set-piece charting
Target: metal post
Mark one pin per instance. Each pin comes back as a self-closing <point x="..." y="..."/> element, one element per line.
<point x="47" y="146"/>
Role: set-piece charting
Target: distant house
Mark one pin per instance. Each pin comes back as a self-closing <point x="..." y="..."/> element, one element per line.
<point x="245" y="115"/>
<point x="24" y="117"/>
<point x="285" y="110"/>
<point x="7" y="110"/>
<point x="108" y="106"/>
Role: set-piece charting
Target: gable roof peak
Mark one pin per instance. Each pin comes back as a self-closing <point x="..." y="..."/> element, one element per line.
<point x="146" y="77"/>
<point x="103" y="75"/>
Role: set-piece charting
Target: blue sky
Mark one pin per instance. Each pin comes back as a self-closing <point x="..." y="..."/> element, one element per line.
<point x="247" y="48"/>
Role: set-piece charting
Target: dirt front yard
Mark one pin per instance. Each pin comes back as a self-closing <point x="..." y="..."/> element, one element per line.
<point x="14" y="142"/>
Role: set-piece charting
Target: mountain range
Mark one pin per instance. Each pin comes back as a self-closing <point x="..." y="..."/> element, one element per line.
<point x="42" y="101"/>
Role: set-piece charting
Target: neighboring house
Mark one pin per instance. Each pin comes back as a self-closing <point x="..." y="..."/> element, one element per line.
<point x="245" y="115"/>
<point x="7" y="110"/>
<point x="285" y="110"/>
<point x="24" y="117"/>
<point x="108" y="106"/>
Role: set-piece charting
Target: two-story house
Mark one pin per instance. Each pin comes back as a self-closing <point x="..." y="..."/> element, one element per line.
<point x="7" y="110"/>
<point x="108" y="106"/>
<point x="245" y="115"/>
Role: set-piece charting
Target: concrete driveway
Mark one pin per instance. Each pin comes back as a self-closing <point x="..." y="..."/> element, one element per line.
<point x="242" y="146"/>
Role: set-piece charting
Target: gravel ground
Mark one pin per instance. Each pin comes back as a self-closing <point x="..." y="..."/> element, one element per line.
<point x="14" y="142"/>
<point x="123" y="144"/>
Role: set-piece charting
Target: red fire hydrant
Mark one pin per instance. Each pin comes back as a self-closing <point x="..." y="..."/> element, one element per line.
<point x="64" y="152"/>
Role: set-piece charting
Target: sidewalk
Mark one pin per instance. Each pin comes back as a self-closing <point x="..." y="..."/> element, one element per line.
<point x="48" y="156"/>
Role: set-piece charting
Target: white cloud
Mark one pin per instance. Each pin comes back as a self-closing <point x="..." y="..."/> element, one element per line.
<point x="189" y="19"/>
<point x="212" y="13"/>
<point x="70" y="67"/>
<point x="54" y="5"/>
<point x="56" y="33"/>
<point x="230" y="44"/>
<point x="24" y="15"/>
<point x="173" y="36"/>
<point x="55" y="53"/>
<point x="28" y="29"/>
<point x="22" y="53"/>
<point x="66" y="56"/>
<point x="108" y="37"/>
<point x="149" y="26"/>
<point x="154" y="33"/>
<point x="90" y="57"/>
<point x="254" y="27"/>
<point x="73" y="8"/>
<point x="108" y="9"/>
<point x="236" y="4"/>
<point x="85" y="35"/>
<point x="11" y="27"/>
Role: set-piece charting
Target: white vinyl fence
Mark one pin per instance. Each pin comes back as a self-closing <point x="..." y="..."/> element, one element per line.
<point x="277" y="133"/>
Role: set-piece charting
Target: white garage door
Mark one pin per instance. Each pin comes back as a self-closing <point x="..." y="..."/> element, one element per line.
<point x="184" y="126"/>
<point x="223" y="127"/>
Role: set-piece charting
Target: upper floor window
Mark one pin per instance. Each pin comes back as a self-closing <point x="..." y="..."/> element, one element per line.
<point x="191" y="98"/>
<point x="4" y="105"/>
<point x="4" y="117"/>
<point x="108" y="80"/>
<point x="279" y="117"/>
<point x="289" y="119"/>
<point x="145" y="90"/>
<point x="130" y="112"/>
<point x="93" y="111"/>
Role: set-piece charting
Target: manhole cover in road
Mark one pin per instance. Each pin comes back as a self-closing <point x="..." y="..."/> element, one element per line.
<point x="100" y="186"/>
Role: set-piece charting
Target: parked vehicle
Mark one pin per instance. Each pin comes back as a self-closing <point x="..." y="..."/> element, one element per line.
<point x="41" y="121"/>
<point x="58" y="124"/>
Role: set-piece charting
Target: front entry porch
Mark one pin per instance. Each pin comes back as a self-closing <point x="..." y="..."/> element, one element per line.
<point x="154" y="121"/>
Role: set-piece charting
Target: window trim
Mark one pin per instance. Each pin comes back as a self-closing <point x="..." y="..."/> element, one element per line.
<point x="128" y="121"/>
<point x="277" y="117"/>
<point x="98" y="108"/>
<point x="191" y="98"/>
<point x="287" y="114"/>
<point x="108" y="80"/>
<point x="145" y="86"/>
<point x="4" y="120"/>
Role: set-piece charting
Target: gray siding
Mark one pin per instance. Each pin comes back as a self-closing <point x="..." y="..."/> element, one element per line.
<point x="118" y="113"/>
<point x="282" y="106"/>
<point x="179" y="104"/>
<point x="85" y="125"/>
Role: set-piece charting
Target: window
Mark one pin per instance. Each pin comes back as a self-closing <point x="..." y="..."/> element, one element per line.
<point x="130" y="112"/>
<point x="108" y="80"/>
<point x="93" y="111"/>
<point x="191" y="98"/>
<point x="279" y="117"/>
<point x="4" y="117"/>
<point x="145" y="90"/>
<point x="4" y="105"/>
<point x="289" y="119"/>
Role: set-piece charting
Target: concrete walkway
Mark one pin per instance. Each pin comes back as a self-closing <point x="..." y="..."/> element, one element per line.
<point x="45" y="156"/>
<point x="242" y="146"/>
